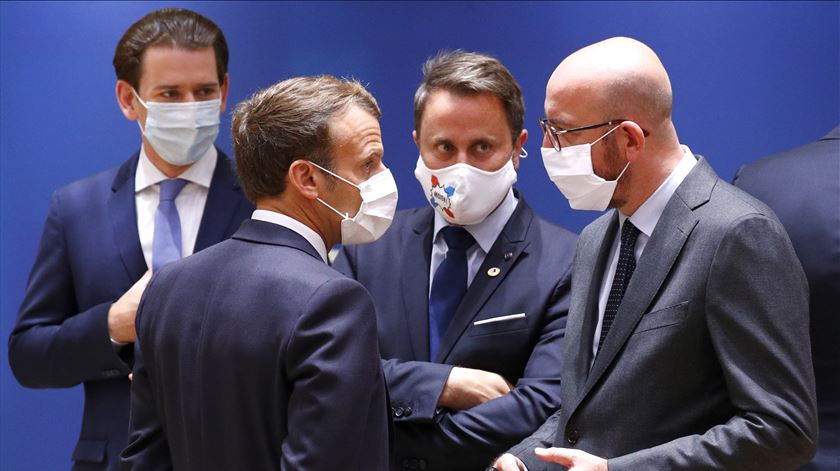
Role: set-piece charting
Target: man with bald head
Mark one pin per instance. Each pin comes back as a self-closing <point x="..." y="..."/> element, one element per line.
<point x="687" y="338"/>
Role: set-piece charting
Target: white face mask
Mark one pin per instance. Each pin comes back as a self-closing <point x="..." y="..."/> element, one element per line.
<point x="571" y="170"/>
<point x="462" y="194"/>
<point x="181" y="133"/>
<point x="379" y="202"/>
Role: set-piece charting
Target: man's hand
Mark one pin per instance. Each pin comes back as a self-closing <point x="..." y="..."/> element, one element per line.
<point x="466" y="388"/>
<point x="122" y="313"/>
<point x="508" y="462"/>
<point x="575" y="460"/>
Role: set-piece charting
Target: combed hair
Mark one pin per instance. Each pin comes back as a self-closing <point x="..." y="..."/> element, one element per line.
<point x="468" y="73"/>
<point x="172" y="27"/>
<point x="290" y="121"/>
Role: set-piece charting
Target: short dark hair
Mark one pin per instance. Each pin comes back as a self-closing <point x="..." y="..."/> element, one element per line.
<point x="173" y="27"/>
<point x="469" y="73"/>
<point x="290" y="121"/>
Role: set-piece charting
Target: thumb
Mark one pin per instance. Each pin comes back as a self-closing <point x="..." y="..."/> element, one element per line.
<point x="555" y="455"/>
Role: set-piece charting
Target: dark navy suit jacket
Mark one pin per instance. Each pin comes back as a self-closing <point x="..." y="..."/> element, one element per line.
<point x="256" y="355"/>
<point x="534" y="258"/>
<point x="89" y="256"/>
<point x="802" y="186"/>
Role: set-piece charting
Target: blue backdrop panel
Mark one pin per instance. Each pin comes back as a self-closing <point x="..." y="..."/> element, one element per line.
<point x="749" y="79"/>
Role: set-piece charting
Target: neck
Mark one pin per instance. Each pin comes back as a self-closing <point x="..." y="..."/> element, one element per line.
<point x="648" y="176"/>
<point x="303" y="212"/>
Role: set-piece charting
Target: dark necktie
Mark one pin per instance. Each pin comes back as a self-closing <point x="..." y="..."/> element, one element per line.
<point x="448" y="285"/>
<point x="166" y="245"/>
<point x="623" y="272"/>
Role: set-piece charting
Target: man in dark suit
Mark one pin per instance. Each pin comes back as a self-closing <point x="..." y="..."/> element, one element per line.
<point x="687" y="342"/>
<point x="802" y="186"/>
<point x="471" y="293"/>
<point x="255" y="354"/>
<point x="105" y="233"/>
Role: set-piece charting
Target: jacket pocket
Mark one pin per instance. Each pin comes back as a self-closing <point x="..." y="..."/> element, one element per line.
<point x="662" y="318"/>
<point x="92" y="451"/>
<point x="499" y="324"/>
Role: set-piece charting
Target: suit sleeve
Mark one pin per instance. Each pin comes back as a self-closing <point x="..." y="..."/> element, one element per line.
<point x="500" y="423"/>
<point x="52" y="343"/>
<point x="147" y="445"/>
<point x="332" y="361"/>
<point x="543" y="438"/>
<point x="413" y="386"/>
<point x="757" y="316"/>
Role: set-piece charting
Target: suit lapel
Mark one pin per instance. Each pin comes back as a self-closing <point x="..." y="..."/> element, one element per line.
<point x="415" y="280"/>
<point x="665" y="244"/>
<point x="122" y="212"/>
<point x="583" y="312"/>
<point x="507" y="249"/>
<point x="220" y="209"/>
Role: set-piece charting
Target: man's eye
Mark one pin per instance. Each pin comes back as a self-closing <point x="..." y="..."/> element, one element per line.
<point x="445" y="147"/>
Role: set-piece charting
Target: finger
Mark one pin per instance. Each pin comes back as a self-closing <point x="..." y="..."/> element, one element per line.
<point x="562" y="456"/>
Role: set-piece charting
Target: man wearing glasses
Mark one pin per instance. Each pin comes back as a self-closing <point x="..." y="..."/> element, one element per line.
<point x="471" y="292"/>
<point x="687" y="343"/>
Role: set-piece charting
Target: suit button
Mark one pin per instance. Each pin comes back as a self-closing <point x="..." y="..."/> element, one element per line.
<point x="405" y="463"/>
<point x="398" y="412"/>
<point x="573" y="437"/>
<point x="421" y="464"/>
<point x="407" y="411"/>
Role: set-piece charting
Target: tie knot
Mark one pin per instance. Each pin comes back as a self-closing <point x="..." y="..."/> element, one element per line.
<point x="169" y="189"/>
<point x="629" y="233"/>
<point x="457" y="238"/>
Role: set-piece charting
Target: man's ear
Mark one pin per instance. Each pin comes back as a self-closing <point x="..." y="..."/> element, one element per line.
<point x="517" y="147"/>
<point x="125" y="99"/>
<point x="303" y="178"/>
<point x="634" y="140"/>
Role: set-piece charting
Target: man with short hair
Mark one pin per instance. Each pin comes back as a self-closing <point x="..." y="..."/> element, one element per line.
<point x="105" y="234"/>
<point x="471" y="292"/>
<point x="687" y="345"/>
<point x="255" y="354"/>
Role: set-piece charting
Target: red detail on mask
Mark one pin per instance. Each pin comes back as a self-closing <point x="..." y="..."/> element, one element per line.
<point x="448" y="212"/>
<point x="435" y="181"/>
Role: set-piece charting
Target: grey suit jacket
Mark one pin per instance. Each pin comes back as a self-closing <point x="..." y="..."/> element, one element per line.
<point x="708" y="364"/>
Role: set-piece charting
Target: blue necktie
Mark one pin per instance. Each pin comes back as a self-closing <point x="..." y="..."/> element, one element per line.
<point x="166" y="245"/>
<point x="623" y="271"/>
<point x="448" y="285"/>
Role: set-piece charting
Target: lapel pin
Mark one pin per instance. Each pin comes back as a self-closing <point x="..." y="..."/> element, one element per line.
<point x="508" y="255"/>
<point x="493" y="271"/>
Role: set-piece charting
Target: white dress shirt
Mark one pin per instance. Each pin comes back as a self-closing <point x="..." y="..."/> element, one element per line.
<point x="485" y="234"/>
<point x="645" y="219"/>
<point x="190" y="201"/>
<point x="295" y="226"/>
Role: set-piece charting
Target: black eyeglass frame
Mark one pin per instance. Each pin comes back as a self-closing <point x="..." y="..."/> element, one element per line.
<point x="554" y="133"/>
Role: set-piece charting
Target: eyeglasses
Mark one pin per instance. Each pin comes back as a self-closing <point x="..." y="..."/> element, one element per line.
<point x="554" y="133"/>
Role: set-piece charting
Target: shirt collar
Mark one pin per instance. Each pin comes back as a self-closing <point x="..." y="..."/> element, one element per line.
<point x="648" y="214"/>
<point x="200" y="173"/>
<point x="487" y="231"/>
<point x="294" y="225"/>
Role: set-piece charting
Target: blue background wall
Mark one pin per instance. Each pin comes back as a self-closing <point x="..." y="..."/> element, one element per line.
<point x="749" y="79"/>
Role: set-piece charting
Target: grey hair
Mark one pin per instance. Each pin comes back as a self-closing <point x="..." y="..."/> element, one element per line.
<point x="289" y="121"/>
<point x="468" y="73"/>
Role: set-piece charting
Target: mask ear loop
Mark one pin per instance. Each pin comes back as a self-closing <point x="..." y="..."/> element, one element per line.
<point x="605" y="135"/>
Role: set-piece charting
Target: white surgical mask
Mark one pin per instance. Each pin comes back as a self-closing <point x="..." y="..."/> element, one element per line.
<point x="462" y="194"/>
<point x="571" y="170"/>
<point x="379" y="202"/>
<point x="181" y="133"/>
